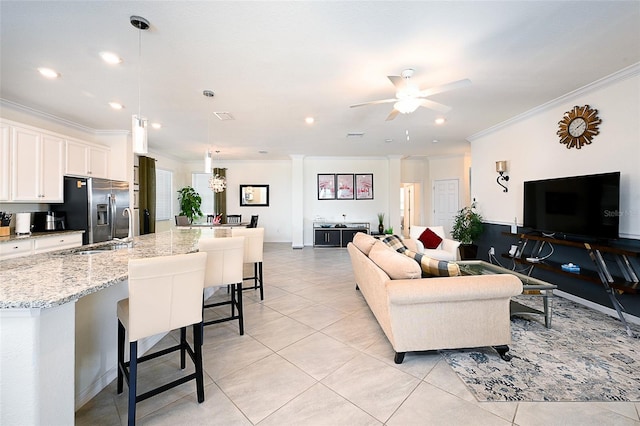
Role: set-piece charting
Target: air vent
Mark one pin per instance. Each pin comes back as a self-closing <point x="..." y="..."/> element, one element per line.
<point x="355" y="134"/>
<point x="224" y="116"/>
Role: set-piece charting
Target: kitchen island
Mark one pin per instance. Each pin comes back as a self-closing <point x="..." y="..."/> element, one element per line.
<point x="58" y="323"/>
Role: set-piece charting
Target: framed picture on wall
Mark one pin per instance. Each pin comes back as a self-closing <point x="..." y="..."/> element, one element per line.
<point x="326" y="186"/>
<point x="344" y="187"/>
<point x="364" y="186"/>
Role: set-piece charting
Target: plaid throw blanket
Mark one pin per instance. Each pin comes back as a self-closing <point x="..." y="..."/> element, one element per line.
<point x="430" y="267"/>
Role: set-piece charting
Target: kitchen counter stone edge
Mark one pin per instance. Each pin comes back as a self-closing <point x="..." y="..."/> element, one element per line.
<point x="56" y="278"/>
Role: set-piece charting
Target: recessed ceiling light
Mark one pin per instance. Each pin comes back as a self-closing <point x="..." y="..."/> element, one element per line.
<point x="116" y="105"/>
<point x="262" y="152"/>
<point x="435" y="141"/>
<point x="355" y="134"/>
<point x="309" y="120"/>
<point x="48" y="73"/>
<point x="111" y="58"/>
<point x="440" y="120"/>
<point x="388" y="140"/>
<point x="156" y="125"/>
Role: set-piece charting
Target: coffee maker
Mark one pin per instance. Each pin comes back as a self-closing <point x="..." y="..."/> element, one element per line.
<point x="49" y="221"/>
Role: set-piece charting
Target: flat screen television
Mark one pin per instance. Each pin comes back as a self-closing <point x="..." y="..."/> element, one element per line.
<point x="582" y="206"/>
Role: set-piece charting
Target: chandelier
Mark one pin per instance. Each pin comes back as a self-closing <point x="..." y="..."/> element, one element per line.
<point x="217" y="183"/>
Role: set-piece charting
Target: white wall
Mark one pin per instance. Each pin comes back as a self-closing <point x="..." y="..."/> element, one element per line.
<point x="531" y="147"/>
<point x="276" y="218"/>
<point x="355" y="210"/>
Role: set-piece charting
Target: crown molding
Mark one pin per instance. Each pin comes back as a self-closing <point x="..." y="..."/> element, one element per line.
<point x="623" y="74"/>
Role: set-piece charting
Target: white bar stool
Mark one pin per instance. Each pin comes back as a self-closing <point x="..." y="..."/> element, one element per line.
<point x="253" y="254"/>
<point x="224" y="269"/>
<point x="165" y="293"/>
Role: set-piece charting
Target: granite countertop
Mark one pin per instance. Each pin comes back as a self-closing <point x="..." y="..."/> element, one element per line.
<point x="55" y="278"/>
<point x="14" y="237"/>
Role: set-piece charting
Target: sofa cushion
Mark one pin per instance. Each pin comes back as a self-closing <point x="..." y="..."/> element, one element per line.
<point x="430" y="267"/>
<point x="434" y="267"/>
<point x="430" y="239"/>
<point x="395" y="265"/>
<point x="364" y="242"/>
<point x="395" y="242"/>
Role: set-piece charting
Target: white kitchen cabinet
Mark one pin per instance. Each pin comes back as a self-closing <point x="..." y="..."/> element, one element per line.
<point x="56" y="242"/>
<point x="84" y="159"/>
<point x="37" y="166"/>
<point x="5" y="162"/>
<point x="16" y="248"/>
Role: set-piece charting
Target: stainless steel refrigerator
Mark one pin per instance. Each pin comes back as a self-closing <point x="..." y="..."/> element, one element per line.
<point x="96" y="206"/>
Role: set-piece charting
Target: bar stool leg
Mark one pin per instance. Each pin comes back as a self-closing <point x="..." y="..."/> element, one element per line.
<point x="183" y="343"/>
<point x="240" y="310"/>
<point x="260" y="278"/>
<point x="133" y="380"/>
<point x="121" y="334"/>
<point x="197" y="343"/>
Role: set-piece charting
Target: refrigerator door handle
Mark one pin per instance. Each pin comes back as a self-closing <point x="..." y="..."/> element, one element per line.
<point x="112" y="214"/>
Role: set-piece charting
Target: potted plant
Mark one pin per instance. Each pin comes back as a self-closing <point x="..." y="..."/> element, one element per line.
<point x="467" y="226"/>
<point x="380" y="223"/>
<point x="190" y="202"/>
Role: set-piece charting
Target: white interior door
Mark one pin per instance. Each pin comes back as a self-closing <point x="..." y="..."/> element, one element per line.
<point x="445" y="202"/>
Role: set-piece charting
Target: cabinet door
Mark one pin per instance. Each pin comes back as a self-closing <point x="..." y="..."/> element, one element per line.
<point x="327" y="238"/>
<point x="76" y="159"/>
<point x="5" y="162"/>
<point x="52" y="167"/>
<point x="98" y="162"/>
<point x="347" y="235"/>
<point x="25" y="172"/>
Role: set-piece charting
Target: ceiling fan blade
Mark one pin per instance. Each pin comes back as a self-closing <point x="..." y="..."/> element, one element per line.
<point x="393" y="114"/>
<point x="397" y="81"/>
<point x="383" y="101"/>
<point x="435" y="106"/>
<point x="444" y="88"/>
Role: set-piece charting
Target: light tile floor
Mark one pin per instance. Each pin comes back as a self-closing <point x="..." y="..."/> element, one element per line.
<point x="313" y="354"/>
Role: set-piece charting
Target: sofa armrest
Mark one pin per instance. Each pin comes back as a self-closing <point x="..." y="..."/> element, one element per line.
<point x="450" y="245"/>
<point x="452" y="289"/>
<point x="412" y="244"/>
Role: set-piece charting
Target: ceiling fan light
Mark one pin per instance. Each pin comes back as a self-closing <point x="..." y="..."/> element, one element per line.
<point x="407" y="106"/>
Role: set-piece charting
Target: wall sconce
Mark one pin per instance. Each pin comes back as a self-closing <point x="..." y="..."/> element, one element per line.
<point x="501" y="168"/>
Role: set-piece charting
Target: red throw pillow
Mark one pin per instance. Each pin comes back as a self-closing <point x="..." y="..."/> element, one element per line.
<point x="430" y="239"/>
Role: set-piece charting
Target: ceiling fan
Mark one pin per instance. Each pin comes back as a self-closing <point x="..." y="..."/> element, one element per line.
<point x="409" y="97"/>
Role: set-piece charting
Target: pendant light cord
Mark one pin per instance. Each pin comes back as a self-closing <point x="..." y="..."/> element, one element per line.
<point x="139" y="72"/>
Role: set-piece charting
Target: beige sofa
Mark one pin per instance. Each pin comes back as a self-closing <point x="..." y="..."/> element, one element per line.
<point x="418" y="314"/>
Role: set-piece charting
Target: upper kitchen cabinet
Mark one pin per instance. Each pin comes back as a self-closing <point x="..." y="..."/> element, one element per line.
<point x="5" y="162"/>
<point x="37" y="166"/>
<point x="86" y="160"/>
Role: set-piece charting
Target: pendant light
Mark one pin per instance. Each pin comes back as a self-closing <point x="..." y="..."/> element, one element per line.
<point x="139" y="123"/>
<point x="217" y="183"/>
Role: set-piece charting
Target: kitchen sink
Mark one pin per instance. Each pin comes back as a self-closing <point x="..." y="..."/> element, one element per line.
<point x="102" y="249"/>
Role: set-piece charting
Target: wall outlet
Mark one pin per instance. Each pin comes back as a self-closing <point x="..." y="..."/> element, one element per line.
<point x="492" y="251"/>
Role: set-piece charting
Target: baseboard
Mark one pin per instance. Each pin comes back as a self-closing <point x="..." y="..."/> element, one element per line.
<point x="607" y="311"/>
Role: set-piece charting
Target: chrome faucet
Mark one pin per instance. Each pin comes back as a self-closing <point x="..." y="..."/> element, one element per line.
<point x="127" y="212"/>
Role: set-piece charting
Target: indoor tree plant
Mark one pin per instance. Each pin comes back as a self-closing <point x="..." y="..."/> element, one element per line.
<point x="467" y="226"/>
<point x="190" y="202"/>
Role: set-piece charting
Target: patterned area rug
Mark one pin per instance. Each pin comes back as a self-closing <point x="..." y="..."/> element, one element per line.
<point x="585" y="356"/>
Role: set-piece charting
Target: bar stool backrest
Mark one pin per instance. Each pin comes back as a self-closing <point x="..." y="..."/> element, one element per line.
<point x="253" y="243"/>
<point x="225" y="257"/>
<point x="165" y="293"/>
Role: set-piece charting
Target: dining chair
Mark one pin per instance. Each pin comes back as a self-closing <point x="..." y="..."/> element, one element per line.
<point x="234" y="218"/>
<point x="165" y="294"/>
<point x="225" y="258"/>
